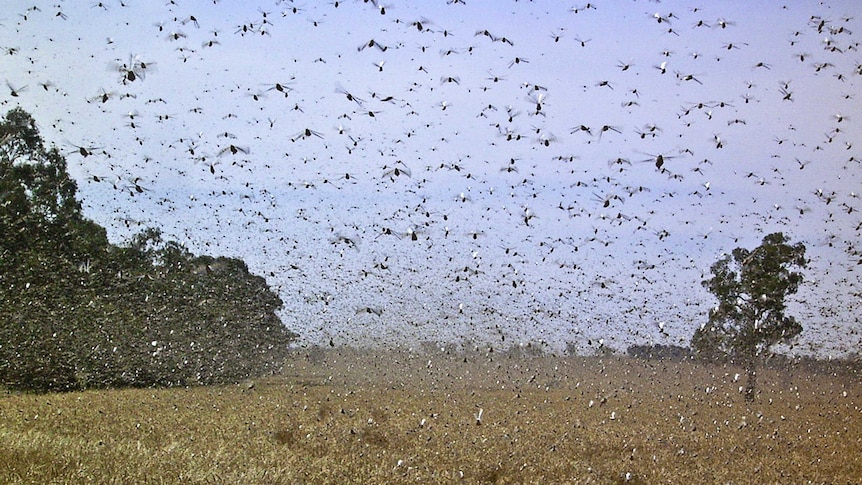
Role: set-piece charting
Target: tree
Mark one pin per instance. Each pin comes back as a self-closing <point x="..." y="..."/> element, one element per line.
<point x="751" y="287"/>
<point x="38" y="204"/>
<point x="77" y="311"/>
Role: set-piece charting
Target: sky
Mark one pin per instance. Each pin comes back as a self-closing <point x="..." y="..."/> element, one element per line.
<point x="500" y="173"/>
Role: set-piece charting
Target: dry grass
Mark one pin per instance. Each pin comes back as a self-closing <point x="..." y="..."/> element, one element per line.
<point x="352" y="417"/>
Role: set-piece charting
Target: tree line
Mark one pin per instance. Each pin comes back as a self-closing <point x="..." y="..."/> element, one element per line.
<point x="77" y="311"/>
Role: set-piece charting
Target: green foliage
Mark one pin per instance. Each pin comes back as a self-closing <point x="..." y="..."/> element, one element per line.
<point x="37" y="197"/>
<point x="77" y="311"/>
<point x="751" y="287"/>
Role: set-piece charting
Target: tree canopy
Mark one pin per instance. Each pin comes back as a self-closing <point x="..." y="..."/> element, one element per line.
<point x="751" y="288"/>
<point x="77" y="311"/>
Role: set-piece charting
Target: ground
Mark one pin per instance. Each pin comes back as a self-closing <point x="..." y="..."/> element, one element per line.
<point x="439" y="416"/>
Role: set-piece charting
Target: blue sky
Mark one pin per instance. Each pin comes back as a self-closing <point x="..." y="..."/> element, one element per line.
<point x="459" y="198"/>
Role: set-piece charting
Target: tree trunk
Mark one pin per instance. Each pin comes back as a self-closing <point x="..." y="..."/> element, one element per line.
<point x="752" y="380"/>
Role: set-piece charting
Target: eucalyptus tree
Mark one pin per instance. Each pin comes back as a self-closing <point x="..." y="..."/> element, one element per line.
<point x="751" y="287"/>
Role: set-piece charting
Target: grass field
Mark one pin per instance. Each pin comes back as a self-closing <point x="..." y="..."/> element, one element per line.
<point x="345" y="416"/>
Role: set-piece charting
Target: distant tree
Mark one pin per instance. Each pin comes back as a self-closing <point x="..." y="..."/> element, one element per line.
<point x="673" y="353"/>
<point x="751" y="287"/>
<point x="79" y="312"/>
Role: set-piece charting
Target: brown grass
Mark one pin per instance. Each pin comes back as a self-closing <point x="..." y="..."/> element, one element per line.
<point x="345" y="416"/>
